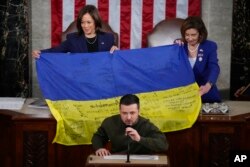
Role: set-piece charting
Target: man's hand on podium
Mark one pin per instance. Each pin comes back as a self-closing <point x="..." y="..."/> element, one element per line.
<point x="102" y="152"/>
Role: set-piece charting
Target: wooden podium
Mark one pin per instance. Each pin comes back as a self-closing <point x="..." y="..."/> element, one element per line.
<point x="99" y="161"/>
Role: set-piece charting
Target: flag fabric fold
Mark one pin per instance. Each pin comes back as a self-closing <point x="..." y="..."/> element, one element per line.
<point x="84" y="88"/>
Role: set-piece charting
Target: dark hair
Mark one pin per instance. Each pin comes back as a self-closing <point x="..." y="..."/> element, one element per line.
<point x="93" y="12"/>
<point x="196" y="23"/>
<point x="129" y="99"/>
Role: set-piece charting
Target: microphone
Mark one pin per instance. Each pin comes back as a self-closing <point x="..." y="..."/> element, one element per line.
<point x="128" y="147"/>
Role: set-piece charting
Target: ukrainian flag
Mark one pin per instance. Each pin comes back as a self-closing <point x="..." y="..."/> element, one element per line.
<point x="84" y="88"/>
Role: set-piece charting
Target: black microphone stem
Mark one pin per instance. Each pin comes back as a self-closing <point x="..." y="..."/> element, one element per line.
<point x="128" y="149"/>
<point x="128" y="158"/>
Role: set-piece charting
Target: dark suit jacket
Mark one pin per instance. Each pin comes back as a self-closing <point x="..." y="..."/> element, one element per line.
<point x="78" y="44"/>
<point x="206" y="69"/>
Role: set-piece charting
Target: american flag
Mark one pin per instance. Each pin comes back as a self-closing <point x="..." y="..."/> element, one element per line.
<point x="131" y="19"/>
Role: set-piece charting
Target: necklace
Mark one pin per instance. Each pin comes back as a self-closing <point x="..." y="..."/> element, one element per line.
<point x="91" y="42"/>
<point x="193" y="50"/>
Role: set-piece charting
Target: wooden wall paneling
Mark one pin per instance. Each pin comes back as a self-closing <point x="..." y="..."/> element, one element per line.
<point x="218" y="139"/>
<point x="184" y="147"/>
<point x="33" y="142"/>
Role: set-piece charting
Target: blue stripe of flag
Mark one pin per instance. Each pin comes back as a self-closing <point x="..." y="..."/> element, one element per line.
<point x="93" y="76"/>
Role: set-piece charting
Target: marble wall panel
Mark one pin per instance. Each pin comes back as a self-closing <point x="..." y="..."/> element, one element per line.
<point x="240" y="62"/>
<point x="14" y="48"/>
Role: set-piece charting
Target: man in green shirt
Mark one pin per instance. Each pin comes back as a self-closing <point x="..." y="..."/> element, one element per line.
<point x="129" y="127"/>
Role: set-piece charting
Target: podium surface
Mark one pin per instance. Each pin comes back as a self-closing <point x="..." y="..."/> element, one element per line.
<point x="135" y="160"/>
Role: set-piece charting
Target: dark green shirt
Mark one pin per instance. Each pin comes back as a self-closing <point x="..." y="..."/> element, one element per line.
<point x="113" y="129"/>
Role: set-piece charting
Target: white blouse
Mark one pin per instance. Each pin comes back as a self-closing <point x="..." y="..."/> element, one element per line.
<point x="192" y="61"/>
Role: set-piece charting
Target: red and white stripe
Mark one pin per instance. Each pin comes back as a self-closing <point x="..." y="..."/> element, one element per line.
<point x="131" y="19"/>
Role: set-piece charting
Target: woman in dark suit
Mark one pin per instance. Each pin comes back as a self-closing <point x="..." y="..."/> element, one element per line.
<point x="202" y="55"/>
<point x="89" y="38"/>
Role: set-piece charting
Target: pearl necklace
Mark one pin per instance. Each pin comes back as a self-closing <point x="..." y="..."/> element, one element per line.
<point x="91" y="42"/>
<point x="193" y="50"/>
